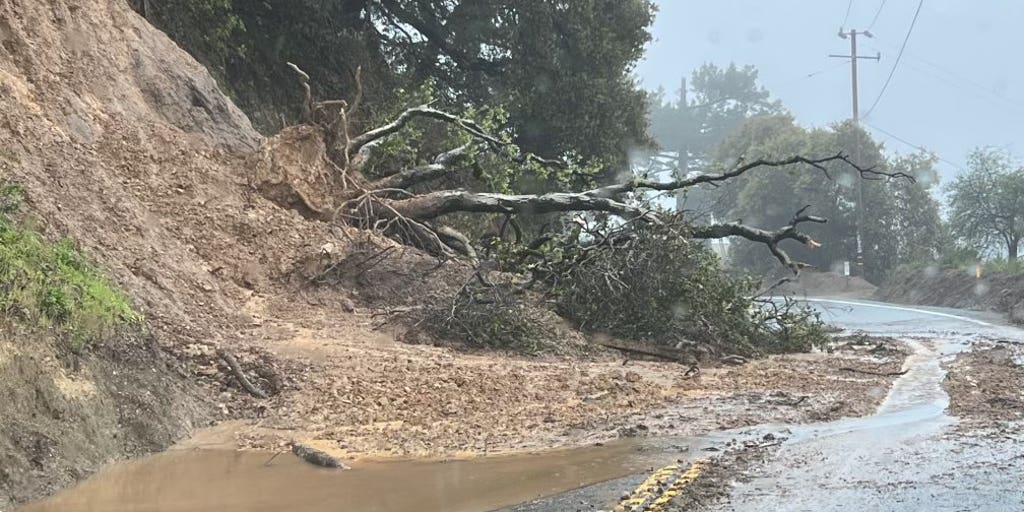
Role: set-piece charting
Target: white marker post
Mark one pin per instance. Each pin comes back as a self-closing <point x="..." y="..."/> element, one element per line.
<point x="846" y="272"/>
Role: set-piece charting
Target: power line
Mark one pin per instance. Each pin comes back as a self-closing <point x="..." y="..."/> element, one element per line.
<point x="954" y="75"/>
<point x="822" y="70"/>
<point x="1006" y="102"/>
<point x="898" y="57"/>
<point x="917" y="147"/>
<point x="878" y="12"/>
<point x="847" y="17"/>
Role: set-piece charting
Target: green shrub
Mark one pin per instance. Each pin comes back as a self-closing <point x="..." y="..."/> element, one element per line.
<point x="52" y="285"/>
<point x="652" y="282"/>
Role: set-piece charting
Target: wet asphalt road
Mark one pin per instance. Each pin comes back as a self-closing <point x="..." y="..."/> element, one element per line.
<point x="907" y="456"/>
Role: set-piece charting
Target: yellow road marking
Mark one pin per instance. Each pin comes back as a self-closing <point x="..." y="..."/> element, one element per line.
<point x="658" y="489"/>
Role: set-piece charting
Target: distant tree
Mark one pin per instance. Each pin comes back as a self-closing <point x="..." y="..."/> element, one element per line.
<point x="987" y="203"/>
<point x="710" y="107"/>
<point x="918" y="229"/>
<point x="901" y="219"/>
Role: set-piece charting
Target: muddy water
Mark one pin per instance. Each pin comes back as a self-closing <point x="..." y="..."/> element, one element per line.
<point x="227" y="481"/>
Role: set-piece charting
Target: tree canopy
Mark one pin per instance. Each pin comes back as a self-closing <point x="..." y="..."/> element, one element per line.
<point x="562" y="70"/>
<point x="987" y="203"/>
<point x="710" y="106"/>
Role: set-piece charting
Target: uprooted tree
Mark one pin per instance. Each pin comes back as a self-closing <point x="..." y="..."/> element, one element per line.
<point x="419" y="198"/>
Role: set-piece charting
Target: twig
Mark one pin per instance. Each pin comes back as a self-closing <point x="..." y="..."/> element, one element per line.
<point x="869" y="372"/>
<point x="236" y="370"/>
<point x="267" y="463"/>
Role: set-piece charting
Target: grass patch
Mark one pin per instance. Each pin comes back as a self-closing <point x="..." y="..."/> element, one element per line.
<point x="51" y="285"/>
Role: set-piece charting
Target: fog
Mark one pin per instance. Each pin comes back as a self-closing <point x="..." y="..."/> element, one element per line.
<point x="956" y="87"/>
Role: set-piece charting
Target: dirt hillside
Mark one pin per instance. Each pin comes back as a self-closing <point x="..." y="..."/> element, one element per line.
<point x="828" y="284"/>
<point x="124" y="144"/>
<point x="958" y="288"/>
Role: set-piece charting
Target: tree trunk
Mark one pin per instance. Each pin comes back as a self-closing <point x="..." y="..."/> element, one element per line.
<point x="435" y="204"/>
<point x="1011" y="249"/>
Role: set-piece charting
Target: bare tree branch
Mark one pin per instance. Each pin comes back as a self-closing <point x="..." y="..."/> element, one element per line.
<point x="409" y="177"/>
<point x="307" y="99"/>
<point x="769" y="238"/>
<point x="467" y="125"/>
<point x="739" y="170"/>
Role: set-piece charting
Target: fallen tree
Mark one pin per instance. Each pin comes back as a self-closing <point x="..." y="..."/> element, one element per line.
<point x="406" y="205"/>
<point x="602" y="256"/>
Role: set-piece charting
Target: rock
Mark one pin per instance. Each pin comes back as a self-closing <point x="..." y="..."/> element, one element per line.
<point x="632" y="376"/>
<point x="316" y="456"/>
<point x="635" y="431"/>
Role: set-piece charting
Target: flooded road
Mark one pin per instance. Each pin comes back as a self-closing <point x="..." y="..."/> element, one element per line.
<point x="845" y="456"/>
<point x="908" y="456"/>
<point x="188" y="480"/>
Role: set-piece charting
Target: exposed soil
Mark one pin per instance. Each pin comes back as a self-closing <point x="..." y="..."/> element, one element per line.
<point x="63" y="415"/>
<point x="986" y="386"/>
<point x="373" y="397"/>
<point x="958" y="288"/>
<point x="828" y="284"/>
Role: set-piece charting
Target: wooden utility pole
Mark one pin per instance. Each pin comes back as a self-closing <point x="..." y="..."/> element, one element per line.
<point x="852" y="36"/>
<point x="683" y="149"/>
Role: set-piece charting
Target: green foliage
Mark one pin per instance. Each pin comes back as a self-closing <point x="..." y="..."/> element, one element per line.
<point x="711" y="106"/>
<point x="987" y="203"/>
<point x="709" y="109"/>
<point x="206" y="27"/>
<point x="52" y="285"/>
<point x="651" y="282"/>
<point x="1014" y="267"/>
<point x="10" y="199"/>
<point x="562" y="70"/>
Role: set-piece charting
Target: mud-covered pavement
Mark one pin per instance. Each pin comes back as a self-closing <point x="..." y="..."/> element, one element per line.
<point x="946" y="438"/>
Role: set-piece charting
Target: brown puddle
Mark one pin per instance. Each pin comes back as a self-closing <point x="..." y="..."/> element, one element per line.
<point x="225" y="481"/>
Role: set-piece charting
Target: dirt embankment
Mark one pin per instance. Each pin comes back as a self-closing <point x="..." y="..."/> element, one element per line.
<point x="986" y="387"/>
<point x="958" y="288"/>
<point x="124" y="144"/>
<point x="827" y="284"/>
<point x="63" y="415"/>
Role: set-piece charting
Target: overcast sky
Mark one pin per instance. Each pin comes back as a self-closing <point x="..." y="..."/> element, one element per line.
<point x="959" y="84"/>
